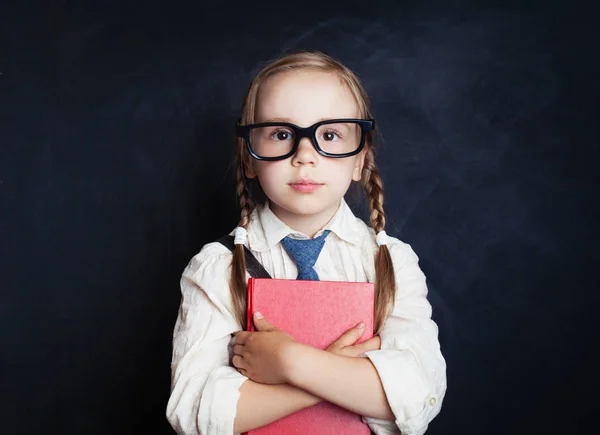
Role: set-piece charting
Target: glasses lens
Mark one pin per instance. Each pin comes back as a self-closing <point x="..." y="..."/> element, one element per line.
<point x="339" y="138"/>
<point x="272" y="141"/>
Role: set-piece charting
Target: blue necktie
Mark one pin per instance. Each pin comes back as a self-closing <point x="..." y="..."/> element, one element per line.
<point x="305" y="252"/>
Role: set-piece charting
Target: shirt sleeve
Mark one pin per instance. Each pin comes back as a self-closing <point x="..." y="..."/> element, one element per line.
<point x="204" y="386"/>
<point x="409" y="363"/>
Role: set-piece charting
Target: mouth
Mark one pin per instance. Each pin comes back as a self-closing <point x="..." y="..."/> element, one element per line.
<point x="305" y="185"/>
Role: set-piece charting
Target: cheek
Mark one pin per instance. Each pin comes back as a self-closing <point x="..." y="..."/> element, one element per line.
<point x="262" y="169"/>
<point x="340" y="172"/>
<point x="269" y="173"/>
<point x="343" y="167"/>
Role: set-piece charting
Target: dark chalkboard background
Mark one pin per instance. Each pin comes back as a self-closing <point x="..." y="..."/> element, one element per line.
<point x="116" y="134"/>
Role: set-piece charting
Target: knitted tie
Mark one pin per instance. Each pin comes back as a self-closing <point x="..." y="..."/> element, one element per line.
<point x="305" y="252"/>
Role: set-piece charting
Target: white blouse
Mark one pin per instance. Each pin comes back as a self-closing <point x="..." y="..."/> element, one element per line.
<point x="205" y="387"/>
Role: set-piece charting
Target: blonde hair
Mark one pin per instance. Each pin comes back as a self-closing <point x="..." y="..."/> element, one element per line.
<point x="250" y="194"/>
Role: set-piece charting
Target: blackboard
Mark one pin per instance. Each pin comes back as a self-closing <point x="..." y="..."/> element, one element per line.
<point x="116" y="140"/>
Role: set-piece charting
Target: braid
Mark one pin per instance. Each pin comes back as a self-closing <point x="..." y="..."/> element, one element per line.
<point x="246" y="202"/>
<point x="385" y="280"/>
<point x="373" y="185"/>
<point x="238" y="282"/>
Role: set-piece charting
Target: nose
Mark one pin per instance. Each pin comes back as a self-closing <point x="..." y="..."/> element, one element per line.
<point x="306" y="154"/>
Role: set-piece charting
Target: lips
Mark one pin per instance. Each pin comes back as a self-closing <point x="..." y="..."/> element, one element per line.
<point x="305" y="185"/>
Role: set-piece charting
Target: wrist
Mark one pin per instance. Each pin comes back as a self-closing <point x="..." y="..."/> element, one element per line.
<point x="291" y="361"/>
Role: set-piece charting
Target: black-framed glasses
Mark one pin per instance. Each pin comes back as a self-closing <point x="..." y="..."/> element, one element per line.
<point x="335" y="138"/>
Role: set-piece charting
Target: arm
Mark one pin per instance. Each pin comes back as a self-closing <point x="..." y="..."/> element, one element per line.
<point x="270" y="356"/>
<point x="208" y="396"/>
<point x="279" y="400"/>
<point x="410" y="363"/>
<point x="261" y="404"/>
<point x="352" y="383"/>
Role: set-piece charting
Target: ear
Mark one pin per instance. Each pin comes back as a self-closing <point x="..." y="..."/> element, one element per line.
<point x="249" y="167"/>
<point x="358" y="165"/>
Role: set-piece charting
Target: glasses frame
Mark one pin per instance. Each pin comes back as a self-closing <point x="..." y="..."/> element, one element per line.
<point x="366" y="125"/>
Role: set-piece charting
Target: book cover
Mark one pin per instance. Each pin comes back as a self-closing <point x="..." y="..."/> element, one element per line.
<point x="315" y="313"/>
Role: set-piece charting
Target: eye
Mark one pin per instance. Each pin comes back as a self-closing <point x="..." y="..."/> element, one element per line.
<point x="331" y="135"/>
<point x="282" y="135"/>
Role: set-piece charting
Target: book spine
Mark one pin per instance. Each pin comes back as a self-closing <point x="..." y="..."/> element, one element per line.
<point x="249" y="311"/>
<point x="249" y="314"/>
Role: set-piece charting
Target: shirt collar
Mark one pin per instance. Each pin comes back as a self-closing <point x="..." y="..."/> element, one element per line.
<point x="265" y="229"/>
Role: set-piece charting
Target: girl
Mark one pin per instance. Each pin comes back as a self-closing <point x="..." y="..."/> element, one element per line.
<point x="305" y="134"/>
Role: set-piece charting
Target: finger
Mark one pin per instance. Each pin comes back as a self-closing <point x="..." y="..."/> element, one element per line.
<point x="242" y="337"/>
<point x="238" y="362"/>
<point x="261" y="323"/>
<point x="369" y="345"/>
<point x="349" y="337"/>
<point x="238" y="349"/>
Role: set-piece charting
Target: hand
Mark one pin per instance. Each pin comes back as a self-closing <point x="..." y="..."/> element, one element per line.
<point x="261" y="355"/>
<point x="345" y="344"/>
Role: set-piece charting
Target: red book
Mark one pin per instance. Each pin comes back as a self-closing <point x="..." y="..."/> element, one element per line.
<point x="315" y="313"/>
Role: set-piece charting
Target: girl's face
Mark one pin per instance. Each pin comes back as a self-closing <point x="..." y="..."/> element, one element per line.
<point x="303" y="98"/>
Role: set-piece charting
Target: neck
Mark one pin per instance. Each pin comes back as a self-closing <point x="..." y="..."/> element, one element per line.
<point x="305" y="224"/>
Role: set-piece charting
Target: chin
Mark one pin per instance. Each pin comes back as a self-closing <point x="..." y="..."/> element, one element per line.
<point x="299" y="209"/>
<point x="305" y="207"/>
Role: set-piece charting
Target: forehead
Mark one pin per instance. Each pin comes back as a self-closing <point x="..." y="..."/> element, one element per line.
<point x="304" y="97"/>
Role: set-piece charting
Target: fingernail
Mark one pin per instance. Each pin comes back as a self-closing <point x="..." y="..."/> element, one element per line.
<point x="258" y="315"/>
<point x="361" y="325"/>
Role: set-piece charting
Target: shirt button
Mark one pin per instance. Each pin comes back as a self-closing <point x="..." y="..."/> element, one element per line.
<point x="432" y="401"/>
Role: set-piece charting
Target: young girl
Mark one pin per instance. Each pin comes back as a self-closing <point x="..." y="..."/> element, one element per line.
<point x="305" y="134"/>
